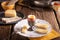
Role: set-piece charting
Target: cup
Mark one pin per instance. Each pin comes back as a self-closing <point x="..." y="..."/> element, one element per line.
<point x="56" y="5"/>
<point x="31" y="21"/>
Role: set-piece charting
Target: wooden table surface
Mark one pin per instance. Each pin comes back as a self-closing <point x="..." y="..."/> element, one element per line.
<point x="41" y="13"/>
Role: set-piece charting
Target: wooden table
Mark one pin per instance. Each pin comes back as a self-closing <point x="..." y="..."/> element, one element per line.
<point x="41" y="13"/>
<point x="44" y="14"/>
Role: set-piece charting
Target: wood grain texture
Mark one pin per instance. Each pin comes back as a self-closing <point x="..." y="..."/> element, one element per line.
<point x="47" y="15"/>
<point x="18" y="37"/>
<point x="58" y="17"/>
<point x="43" y="14"/>
<point x="5" y="32"/>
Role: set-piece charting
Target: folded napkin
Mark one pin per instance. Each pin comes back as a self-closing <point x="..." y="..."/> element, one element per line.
<point x="10" y="20"/>
<point x="53" y="34"/>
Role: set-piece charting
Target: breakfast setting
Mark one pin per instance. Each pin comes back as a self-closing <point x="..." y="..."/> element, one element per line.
<point x="29" y="20"/>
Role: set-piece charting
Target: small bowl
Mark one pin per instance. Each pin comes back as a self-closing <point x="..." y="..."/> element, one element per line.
<point x="5" y="7"/>
<point x="55" y="5"/>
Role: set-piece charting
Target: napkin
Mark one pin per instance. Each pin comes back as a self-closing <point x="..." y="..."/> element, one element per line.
<point x="53" y="34"/>
<point x="10" y="20"/>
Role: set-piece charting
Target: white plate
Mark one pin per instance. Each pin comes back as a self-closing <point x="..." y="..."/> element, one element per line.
<point x="32" y="34"/>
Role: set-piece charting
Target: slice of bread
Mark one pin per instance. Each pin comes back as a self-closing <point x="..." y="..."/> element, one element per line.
<point x="24" y="29"/>
<point x="43" y="26"/>
<point x="10" y="13"/>
<point x="42" y="31"/>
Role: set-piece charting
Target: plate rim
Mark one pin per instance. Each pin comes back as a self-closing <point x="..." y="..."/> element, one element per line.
<point x="34" y="37"/>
